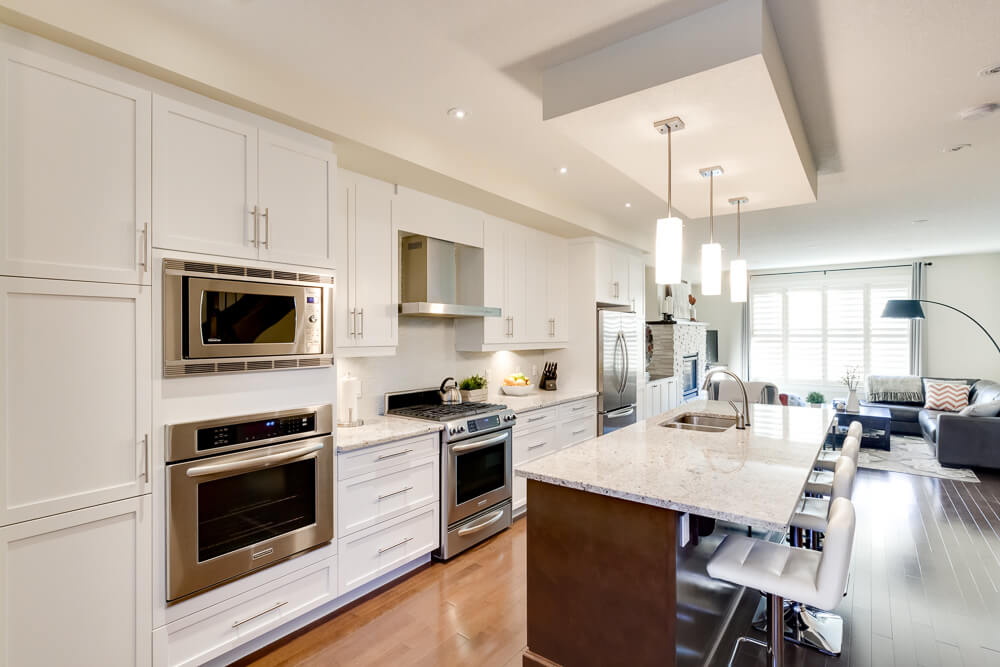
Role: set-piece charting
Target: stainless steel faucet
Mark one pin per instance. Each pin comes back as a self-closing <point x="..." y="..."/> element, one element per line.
<point x="742" y="420"/>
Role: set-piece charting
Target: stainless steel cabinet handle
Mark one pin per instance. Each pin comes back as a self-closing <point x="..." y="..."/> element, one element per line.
<point x="534" y="419"/>
<point x="580" y="407"/>
<point x="579" y="431"/>
<point x="541" y="444"/>
<point x="266" y="611"/>
<point x="354" y="322"/>
<point x="145" y="247"/>
<point x="392" y="456"/>
<point x="145" y="459"/>
<point x="256" y="462"/>
<point x="397" y="544"/>
<point x="361" y="314"/>
<point x="395" y="493"/>
<point x="472" y="446"/>
<point x="475" y="528"/>
<point x="267" y="229"/>
<point x="256" y="227"/>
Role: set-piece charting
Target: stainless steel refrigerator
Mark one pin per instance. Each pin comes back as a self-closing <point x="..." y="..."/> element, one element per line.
<point x="618" y="363"/>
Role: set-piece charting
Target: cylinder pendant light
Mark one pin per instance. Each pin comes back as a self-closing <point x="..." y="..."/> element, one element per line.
<point x="669" y="230"/>
<point x="711" y="252"/>
<point x="738" y="266"/>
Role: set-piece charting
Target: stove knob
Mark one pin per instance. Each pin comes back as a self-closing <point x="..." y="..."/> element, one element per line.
<point x="461" y="429"/>
<point x="451" y="431"/>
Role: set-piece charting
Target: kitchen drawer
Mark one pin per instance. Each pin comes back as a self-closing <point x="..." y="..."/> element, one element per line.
<point x="581" y="408"/>
<point x="388" y="456"/>
<point x="534" y="444"/>
<point x="530" y="421"/>
<point x="577" y="430"/>
<point x="374" y="551"/>
<point x="369" y="499"/>
<point x="203" y="635"/>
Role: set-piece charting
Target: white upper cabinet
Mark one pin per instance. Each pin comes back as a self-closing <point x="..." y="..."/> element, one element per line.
<point x="77" y="587"/>
<point x="368" y="273"/>
<point x="82" y="350"/>
<point x="204" y="182"/>
<point x="416" y="212"/>
<point x="296" y="195"/>
<point x="637" y="284"/>
<point x="612" y="271"/>
<point x="495" y="330"/>
<point x="557" y="265"/>
<point x="224" y="187"/>
<point x="537" y="321"/>
<point x="74" y="172"/>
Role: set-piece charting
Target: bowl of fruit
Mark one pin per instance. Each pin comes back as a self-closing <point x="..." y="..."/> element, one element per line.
<point x="517" y="384"/>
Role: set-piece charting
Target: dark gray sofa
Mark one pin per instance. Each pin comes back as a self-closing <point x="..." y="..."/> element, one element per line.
<point x="957" y="440"/>
<point x="905" y="416"/>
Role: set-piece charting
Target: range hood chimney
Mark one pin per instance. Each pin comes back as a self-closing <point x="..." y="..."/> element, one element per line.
<point x="431" y="285"/>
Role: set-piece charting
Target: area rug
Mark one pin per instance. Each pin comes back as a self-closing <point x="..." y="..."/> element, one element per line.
<point x="911" y="454"/>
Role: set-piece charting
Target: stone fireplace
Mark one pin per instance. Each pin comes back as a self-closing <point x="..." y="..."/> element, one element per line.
<point x="679" y="350"/>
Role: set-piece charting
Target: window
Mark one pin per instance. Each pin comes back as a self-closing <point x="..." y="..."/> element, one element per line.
<point x="806" y="329"/>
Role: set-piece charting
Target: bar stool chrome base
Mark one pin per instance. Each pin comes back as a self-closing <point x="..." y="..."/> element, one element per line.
<point x="819" y="630"/>
<point x="773" y="623"/>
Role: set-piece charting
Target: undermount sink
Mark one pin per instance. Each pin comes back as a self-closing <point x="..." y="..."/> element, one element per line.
<point x="699" y="422"/>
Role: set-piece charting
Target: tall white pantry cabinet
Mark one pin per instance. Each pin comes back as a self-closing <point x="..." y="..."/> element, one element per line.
<point x="75" y="318"/>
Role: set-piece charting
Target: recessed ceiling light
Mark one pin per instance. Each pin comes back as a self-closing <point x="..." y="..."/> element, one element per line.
<point x="562" y="170"/>
<point x="990" y="70"/>
<point x="956" y="148"/>
<point x="919" y="221"/>
<point x="628" y="204"/>
<point x="455" y="112"/>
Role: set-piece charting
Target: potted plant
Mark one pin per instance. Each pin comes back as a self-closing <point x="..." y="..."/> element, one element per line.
<point x="473" y="388"/>
<point x="852" y="378"/>
<point x="815" y="399"/>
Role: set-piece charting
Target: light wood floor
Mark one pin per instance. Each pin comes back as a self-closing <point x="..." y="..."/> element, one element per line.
<point x="924" y="590"/>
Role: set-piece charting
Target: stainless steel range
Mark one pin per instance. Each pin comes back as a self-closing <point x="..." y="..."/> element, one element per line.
<point x="476" y="465"/>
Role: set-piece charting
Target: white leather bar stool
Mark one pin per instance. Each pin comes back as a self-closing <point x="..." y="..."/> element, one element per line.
<point x="821" y="481"/>
<point x="827" y="459"/>
<point x="813" y="513"/>
<point x="780" y="571"/>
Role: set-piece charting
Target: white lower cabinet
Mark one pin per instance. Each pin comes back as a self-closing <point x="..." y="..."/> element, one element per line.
<point x="370" y="553"/>
<point x="76" y="588"/>
<point x="369" y="499"/>
<point x="211" y="632"/>
<point x="577" y="430"/>
<point x="661" y="395"/>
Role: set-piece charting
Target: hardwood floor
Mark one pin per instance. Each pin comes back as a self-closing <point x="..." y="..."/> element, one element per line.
<point x="924" y="590"/>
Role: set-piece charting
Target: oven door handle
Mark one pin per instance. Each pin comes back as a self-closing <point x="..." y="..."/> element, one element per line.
<point x="476" y="527"/>
<point x="473" y="446"/>
<point x="254" y="463"/>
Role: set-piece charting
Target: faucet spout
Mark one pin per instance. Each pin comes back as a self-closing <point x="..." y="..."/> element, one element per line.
<point x="745" y="421"/>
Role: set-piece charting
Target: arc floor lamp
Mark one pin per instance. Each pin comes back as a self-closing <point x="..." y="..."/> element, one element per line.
<point x="910" y="309"/>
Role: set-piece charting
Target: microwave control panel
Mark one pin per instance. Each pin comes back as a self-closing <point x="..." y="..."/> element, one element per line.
<point x="312" y="328"/>
<point x="252" y="431"/>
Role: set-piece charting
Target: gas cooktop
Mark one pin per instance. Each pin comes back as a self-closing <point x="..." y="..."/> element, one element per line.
<point x="443" y="412"/>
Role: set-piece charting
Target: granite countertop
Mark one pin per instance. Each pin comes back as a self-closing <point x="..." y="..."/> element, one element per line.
<point x="540" y="399"/>
<point x="378" y="430"/>
<point x="753" y="477"/>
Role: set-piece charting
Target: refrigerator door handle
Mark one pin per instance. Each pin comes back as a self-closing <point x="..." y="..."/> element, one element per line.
<point x="628" y="364"/>
<point x="624" y="376"/>
<point x="623" y="412"/>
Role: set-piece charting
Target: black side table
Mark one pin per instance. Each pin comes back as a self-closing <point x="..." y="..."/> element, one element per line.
<point x="875" y="424"/>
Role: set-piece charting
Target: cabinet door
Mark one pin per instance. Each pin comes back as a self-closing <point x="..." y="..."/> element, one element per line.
<point x="373" y="264"/>
<point x="77" y="588"/>
<point x="74" y="397"/>
<point x="558" y="284"/>
<point x="204" y="182"/>
<point x="74" y="172"/>
<point x="343" y="233"/>
<point x="619" y="275"/>
<point x="637" y="284"/>
<point x="495" y="329"/>
<point x="517" y="266"/>
<point x="655" y="399"/>
<point x="537" y="321"/>
<point x="296" y="194"/>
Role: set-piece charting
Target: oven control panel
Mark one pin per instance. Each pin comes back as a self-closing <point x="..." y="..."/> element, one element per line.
<point x="252" y="431"/>
<point x="483" y="424"/>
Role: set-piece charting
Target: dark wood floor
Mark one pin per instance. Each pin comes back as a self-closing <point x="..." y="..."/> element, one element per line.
<point x="924" y="590"/>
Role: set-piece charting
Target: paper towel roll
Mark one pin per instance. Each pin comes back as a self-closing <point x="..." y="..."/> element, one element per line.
<point x="350" y="392"/>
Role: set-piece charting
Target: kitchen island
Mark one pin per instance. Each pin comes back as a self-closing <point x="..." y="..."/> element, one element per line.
<point x="605" y="523"/>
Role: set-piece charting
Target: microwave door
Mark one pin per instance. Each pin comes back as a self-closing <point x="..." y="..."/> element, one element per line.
<point x="230" y="318"/>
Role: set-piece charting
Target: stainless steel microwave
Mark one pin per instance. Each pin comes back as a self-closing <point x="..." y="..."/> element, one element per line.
<point x="220" y="318"/>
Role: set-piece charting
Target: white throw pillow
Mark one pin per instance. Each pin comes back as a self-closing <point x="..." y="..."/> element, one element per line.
<point x="945" y="396"/>
<point x="986" y="409"/>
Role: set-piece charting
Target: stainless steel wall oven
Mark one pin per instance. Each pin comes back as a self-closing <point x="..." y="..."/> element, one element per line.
<point x="245" y="492"/>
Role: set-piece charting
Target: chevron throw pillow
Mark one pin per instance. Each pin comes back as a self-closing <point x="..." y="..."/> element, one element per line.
<point x="946" y="396"/>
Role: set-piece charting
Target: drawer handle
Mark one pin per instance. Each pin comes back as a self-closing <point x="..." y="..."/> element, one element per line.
<point x="266" y="611"/>
<point x="392" y="456"/>
<point x="579" y="432"/>
<point x="541" y="444"/>
<point x="483" y="524"/>
<point x="397" y="544"/>
<point x="580" y="407"/>
<point x="395" y="493"/>
<point x="534" y="419"/>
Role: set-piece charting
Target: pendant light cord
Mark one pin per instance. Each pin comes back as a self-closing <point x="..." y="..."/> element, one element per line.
<point x="711" y="206"/>
<point x="739" y="240"/>
<point x="670" y="206"/>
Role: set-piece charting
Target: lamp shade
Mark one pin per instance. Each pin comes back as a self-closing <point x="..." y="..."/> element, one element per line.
<point x="738" y="280"/>
<point x="669" y="250"/>
<point x="906" y="309"/>
<point x="711" y="269"/>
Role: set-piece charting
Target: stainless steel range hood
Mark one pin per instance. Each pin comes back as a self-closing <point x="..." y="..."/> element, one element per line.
<point x="441" y="279"/>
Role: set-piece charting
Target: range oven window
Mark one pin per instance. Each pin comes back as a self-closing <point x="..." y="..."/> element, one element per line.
<point x="480" y="471"/>
<point x="235" y="512"/>
<point x="233" y="318"/>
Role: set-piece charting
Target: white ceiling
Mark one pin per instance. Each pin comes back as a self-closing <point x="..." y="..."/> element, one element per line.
<point x="879" y="86"/>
